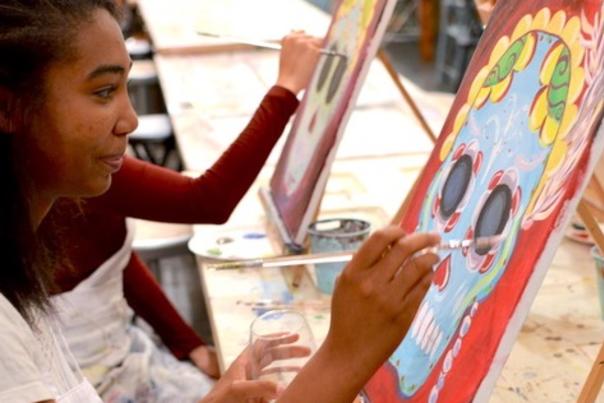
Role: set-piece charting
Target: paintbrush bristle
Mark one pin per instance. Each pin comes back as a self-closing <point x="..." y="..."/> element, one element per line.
<point x="487" y="242"/>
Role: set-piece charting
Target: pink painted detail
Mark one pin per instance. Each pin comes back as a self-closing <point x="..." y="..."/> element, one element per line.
<point x="477" y="162"/>
<point x="435" y="206"/>
<point x="516" y="200"/>
<point x="459" y="152"/>
<point x="441" y="274"/>
<point x="495" y="180"/>
<point x="452" y="221"/>
<point x="486" y="263"/>
<point x="469" y="235"/>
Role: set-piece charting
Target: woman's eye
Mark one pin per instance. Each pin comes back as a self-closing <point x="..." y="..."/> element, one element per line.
<point x="105" y="93"/>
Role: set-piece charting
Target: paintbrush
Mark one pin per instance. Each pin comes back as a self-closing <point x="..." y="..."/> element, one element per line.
<point x="344" y="256"/>
<point x="260" y="44"/>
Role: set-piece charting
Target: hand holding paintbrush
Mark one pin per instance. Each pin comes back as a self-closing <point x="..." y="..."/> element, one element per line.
<point x="299" y="55"/>
<point x="345" y="256"/>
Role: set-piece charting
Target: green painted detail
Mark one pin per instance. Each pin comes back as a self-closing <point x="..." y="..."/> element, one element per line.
<point x="559" y="86"/>
<point x="214" y="252"/>
<point x="505" y="65"/>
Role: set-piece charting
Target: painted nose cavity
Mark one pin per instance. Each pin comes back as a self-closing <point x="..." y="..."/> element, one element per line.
<point x="442" y="273"/>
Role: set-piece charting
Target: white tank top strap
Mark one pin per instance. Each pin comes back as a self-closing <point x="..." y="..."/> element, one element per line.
<point x="95" y="316"/>
<point x="112" y="266"/>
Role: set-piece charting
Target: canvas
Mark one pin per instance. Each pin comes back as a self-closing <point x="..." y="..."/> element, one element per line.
<point x="512" y="161"/>
<point x="301" y="173"/>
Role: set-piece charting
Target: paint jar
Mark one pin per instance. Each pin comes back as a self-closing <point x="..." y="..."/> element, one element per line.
<point x="335" y="235"/>
<point x="595" y="252"/>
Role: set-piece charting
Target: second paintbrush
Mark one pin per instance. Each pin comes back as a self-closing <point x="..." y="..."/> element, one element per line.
<point x="334" y="257"/>
<point x="259" y="43"/>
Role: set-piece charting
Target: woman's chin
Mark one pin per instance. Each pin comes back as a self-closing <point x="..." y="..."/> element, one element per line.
<point x="96" y="188"/>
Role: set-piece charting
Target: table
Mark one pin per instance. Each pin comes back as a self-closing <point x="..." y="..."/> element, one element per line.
<point x="173" y="25"/>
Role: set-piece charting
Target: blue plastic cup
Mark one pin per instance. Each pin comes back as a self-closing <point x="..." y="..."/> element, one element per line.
<point x="335" y="235"/>
<point x="599" y="275"/>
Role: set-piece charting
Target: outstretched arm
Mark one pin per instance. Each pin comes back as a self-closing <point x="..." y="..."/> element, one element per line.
<point x="146" y="191"/>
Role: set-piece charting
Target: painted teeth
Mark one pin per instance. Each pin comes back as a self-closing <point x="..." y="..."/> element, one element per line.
<point x="436" y="344"/>
<point x="425" y="331"/>
<point x="418" y="319"/>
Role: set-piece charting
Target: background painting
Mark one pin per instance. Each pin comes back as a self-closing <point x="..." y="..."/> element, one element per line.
<point x="299" y="179"/>
<point x="512" y="161"/>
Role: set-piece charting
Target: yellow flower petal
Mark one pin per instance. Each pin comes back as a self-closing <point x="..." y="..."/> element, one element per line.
<point x="527" y="52"/>
<point x="568" y="120"/>
<point x="570" y="33"/>
<point x="538" y="111"/>
<point x="461" y="118"/>
<point x="556" y="156"/>
<point x="577" y="52"/>
<point x="542" y="19"/>
<point x="523" y="26"/>
<point x="556" y="24"/>
<point x="499" y="90"/>
<point x="368" y="11"/>
<point x="549" y="131"/>
<point x="549" y="64"/>
<point x="577" y="82"/>
<point x="482" y="97"/>
<point x="478" y="83"/>
<point x="498" y="50"/>
<point x="446" y="147"/>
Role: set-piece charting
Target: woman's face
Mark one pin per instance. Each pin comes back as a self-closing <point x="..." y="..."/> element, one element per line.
<point x="78" y="138"/>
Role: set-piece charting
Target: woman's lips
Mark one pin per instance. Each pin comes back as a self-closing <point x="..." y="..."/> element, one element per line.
<point x="114" y="162"/>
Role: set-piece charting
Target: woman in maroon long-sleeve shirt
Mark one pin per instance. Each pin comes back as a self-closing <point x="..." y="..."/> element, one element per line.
<point x="96" y="229"/>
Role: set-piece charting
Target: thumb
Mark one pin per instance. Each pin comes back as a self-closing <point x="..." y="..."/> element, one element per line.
<point x="254" y="389"/>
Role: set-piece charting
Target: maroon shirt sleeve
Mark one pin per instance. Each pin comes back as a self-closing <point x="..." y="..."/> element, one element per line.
<point x="141" y="288"/>
<point x="150" y="192"/>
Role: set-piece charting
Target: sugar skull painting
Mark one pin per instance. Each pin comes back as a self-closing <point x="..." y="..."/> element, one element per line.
<point x="355" y="34"/>
<point x="511" y="164"/>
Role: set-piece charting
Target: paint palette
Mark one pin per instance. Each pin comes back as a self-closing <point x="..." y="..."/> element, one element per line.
<point x="231" y="245"/>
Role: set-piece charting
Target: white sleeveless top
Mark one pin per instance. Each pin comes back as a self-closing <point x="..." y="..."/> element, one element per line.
<point x="34" y="362"/>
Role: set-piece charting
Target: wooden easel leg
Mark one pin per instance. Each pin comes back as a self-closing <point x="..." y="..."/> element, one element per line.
<point x="593" y="384"/>
<point x="418" y="115"/>
<point x="399" y="85"/>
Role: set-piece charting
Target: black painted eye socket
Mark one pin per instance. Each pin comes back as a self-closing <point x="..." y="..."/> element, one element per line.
<point x="456" y="186"/>
<point x="325" y="70"/>
<point x="494" y="215"/>
<point x="336" y="80"/>
<point x="336" y="77"/>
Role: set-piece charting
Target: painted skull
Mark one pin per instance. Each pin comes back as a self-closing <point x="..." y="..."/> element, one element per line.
<point x="328" y="85"/>
<point x="505" y="144"/>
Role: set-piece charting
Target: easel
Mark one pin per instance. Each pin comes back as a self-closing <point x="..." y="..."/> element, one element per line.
<point x="595" y="379"/>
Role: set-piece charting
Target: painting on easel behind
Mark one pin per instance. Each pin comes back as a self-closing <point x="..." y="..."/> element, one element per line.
<point x="512" y="162"/>
<point x="301" y="173"/>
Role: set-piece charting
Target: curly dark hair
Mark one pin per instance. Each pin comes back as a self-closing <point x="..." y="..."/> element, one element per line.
<point x="34" y="34"/>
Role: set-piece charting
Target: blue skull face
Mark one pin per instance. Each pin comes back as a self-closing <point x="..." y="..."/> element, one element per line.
<point x="482" y="189"/>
